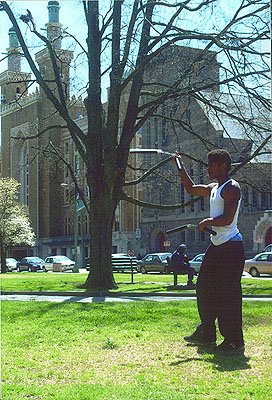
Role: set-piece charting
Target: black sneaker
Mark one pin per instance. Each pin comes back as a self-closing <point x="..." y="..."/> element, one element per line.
<point x="228" y="348"/>
<point x="199" y="339"/>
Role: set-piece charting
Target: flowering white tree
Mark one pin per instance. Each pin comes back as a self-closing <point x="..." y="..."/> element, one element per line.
<point x="15" y="226"/>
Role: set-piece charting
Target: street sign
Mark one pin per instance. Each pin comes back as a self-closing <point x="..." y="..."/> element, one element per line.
<point x="138" y="233"/>
<point x="131" y="253"/>
<point x="259" y="239"/>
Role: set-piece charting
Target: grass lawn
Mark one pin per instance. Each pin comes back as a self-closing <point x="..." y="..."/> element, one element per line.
<point x="148" y="283"/>
<point x="124" y="351"/>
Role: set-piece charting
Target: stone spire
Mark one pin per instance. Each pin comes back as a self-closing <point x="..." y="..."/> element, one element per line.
<point x="14" y="56"/>
<point x="53" y="26"/>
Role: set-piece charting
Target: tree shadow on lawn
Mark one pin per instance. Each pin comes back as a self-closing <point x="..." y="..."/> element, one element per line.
<point x="220" y="362"/>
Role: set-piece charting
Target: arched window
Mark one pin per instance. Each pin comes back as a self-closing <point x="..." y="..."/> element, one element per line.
<point x="245" y="197"/>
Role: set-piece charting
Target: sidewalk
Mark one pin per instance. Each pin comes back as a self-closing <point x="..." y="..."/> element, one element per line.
<point x="106" y="296"/>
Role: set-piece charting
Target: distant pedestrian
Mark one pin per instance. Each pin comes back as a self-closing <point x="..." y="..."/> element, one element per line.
<point x="180" y="265"/>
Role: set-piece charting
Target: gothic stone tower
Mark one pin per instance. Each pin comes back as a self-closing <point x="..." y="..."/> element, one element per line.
<point x="24" y="115"/>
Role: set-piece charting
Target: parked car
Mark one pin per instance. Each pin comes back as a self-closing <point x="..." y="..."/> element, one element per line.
<point x="31" y="264"/>
<point x="154" y="262"/>
<point x="267" y="248"/>
<point x="66" y="263"/>
<point x="11" y="264"/>
<point x="197" y="261"/>
<point x="121" y="262"/>
<point x="260" y="264"/>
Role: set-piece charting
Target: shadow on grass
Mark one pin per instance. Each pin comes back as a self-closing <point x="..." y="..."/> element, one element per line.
<point x="220" y="362"/>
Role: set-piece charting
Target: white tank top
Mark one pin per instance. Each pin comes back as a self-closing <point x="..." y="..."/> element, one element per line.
<point x="227" y="232"/>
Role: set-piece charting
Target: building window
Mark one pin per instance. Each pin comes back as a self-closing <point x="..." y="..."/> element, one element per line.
<point x="69" y="226"/>
<point x="156" y="132"/>
<point x="254" y="198"/>
<point x="192" y="235"/>
<point x="202" y="237"/>
<point x="192" y="196"/>
<point x="264" y="199"/>
<point x="245" y="196"/>
<point x="117" y="219"/>
<point x="79" y="224"/>
<point x="86" y="223"/>
<point x="188" y="116"/>
<point x="24" y="176"/>
<point x="201" y="181"/>
<point x="182" y="197"/>
<point x="66" y="226"/>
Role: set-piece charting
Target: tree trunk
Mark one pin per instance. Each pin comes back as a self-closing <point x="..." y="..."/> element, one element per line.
<point x="3" y="258"/>
<point x="102" y="217"/>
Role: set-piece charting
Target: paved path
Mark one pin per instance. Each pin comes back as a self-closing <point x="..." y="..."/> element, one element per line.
<point x="106" y="299"/>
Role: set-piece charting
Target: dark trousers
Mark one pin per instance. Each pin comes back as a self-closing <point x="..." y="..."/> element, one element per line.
<point x="219" y="293"/>
<point x="185" y="269"/>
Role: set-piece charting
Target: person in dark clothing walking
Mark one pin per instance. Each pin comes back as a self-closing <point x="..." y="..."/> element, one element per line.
<point x="218" y="287"/>
<point x="180" y="265"/>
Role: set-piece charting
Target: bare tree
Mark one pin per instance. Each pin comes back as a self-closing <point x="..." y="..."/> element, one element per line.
<point x="134" y="34"/>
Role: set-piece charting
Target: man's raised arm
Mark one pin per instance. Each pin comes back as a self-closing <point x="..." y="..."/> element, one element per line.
<point x="188" y="183"/>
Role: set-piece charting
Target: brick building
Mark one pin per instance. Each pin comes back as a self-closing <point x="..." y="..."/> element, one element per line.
<point x="46" y="186"/>
<point x="202" y="128"/>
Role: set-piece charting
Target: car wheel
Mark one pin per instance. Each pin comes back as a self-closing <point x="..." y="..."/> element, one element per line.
<point x="18" y="269"/>
<point x="143" y="270"/>
<point x="254" y="272"/>
<point x="44" y="269"/>
<point x="29" y="269"/>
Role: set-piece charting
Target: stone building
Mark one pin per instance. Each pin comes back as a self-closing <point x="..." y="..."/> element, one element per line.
<point x="200" y="129"/>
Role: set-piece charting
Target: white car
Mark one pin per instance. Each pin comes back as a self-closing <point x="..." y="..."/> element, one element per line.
<point x="267" y="248"/>
<point x="260" y="264"/>
<point x="11" y="264"/>
<point x="66" y="263"/>
<point x="154" y="262"/>
<point x="197" y="261"/>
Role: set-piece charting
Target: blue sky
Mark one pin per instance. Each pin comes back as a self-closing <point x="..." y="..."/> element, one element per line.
<point x="71" y="16"/>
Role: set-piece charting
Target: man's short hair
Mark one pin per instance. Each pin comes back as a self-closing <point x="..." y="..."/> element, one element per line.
<point x="220" y="156"/>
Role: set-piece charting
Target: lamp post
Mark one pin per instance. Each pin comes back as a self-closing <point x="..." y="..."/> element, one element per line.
<point x="75" y="228"/>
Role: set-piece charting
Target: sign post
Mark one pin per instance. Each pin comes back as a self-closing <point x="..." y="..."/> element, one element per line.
<point x="131" y="254"/>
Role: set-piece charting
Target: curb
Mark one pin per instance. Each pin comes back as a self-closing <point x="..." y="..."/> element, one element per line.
<point x="119" y="294"/>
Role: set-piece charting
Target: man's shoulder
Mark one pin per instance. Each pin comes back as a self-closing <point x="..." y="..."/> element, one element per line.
<point x="233" y="185"/>
<point x="232" y="188"/>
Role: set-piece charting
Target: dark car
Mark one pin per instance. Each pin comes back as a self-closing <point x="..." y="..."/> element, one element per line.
<point x="31" y="264"/>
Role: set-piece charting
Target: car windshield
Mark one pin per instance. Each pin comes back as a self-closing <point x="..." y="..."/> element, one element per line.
<point x="34" y="259"/>
<point x="11" y="260"/>
<point x="164" y="256"/>
<point x="61" y="258"/>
